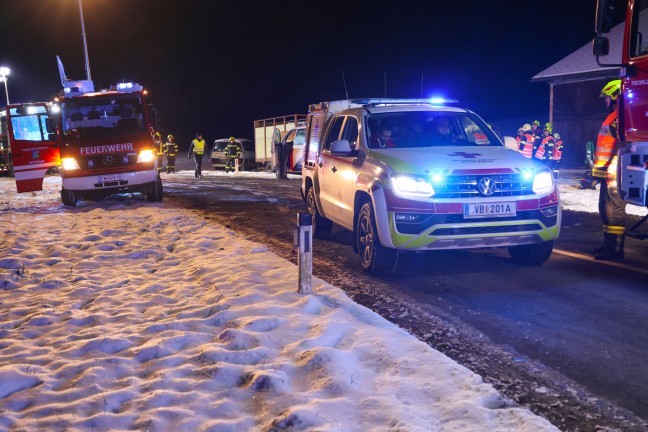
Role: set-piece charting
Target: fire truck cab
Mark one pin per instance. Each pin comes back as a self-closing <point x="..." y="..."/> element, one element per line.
<point x="106" y="143"/>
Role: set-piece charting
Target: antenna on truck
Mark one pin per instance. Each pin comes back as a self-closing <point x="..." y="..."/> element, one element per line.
<point x="346" y="92"/>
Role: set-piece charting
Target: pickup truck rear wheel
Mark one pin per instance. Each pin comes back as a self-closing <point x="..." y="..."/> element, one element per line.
<point x="531" y="254"/>
<point x="374" y="258"/>
<point x="321" y="225"/>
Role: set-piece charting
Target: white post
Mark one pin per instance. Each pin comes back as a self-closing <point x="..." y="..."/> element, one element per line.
<point x="236" y="165"/>
<point x="304" y="241"/>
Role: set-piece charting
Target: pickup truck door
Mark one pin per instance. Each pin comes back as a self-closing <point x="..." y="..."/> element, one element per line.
<point x="33" y="142"/>
<point x="344" y="180"/>
<point x="326" y="170"/>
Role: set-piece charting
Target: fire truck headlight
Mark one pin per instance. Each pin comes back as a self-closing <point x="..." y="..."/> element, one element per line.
<point x="543" y="182"/>
<point x="146" y="156"/>
<point x="412" y="186"/>
<point x="69" y="164"/>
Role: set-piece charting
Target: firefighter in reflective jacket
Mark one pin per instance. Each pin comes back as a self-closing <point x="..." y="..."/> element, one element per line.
<point x="557" y="154"/>
<point x="544" y="153"/>
<point x="525" y="140"/>
<point x="171" y="151"/>
<point x="197" y="147"/>
<point x="233" y="152"/>
<point x="537" y="133"/>
<point x="159" y="149"/>
<point x="611" y="206"/>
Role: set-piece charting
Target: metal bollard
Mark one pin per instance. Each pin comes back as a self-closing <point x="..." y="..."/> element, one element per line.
<point x="303" y="240"/>
<point x="236" y="169"/>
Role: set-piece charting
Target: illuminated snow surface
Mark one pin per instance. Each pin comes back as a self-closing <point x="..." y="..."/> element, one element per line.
<point x="123" y="315"/>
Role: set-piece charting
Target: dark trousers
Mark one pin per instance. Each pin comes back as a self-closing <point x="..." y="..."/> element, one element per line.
<point x="230" y="164"/>
<point x="171" y="164"/>
<point x="611" y="205"/>
<point x="198" y="159"/>
<point x="159" y="160"/>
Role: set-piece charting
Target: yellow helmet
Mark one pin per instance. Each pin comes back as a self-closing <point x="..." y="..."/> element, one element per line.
<point x="526" y="127"/>
<point x="170" y="137"/>
<point x="232" y="138"/>
<point x="548" y="127"/>
<point x="536" y="122"/>
<point x="612" y="89"/>
<point x="157" y="135"/>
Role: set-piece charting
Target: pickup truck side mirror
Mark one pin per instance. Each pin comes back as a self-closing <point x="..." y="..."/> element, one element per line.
<point x="511" y="143"/>
<point x="342" y="148"/>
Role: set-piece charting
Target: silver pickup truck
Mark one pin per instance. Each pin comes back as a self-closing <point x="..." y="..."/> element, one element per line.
<point x="412" y="175"/>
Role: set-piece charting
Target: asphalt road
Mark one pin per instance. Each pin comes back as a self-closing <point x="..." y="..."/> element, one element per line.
<point x="568" y="339"/>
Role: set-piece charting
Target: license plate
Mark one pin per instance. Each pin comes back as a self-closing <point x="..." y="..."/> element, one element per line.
<point x="491" y="209"/>
<point x="110" y="178"/>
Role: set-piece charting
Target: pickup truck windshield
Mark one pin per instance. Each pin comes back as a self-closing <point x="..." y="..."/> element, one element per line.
<point x="414" y="129"/>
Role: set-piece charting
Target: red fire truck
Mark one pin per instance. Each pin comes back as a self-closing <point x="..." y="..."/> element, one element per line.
<point x="106" y="142"/>
<point x="633" y="101"/>
<point x="29" y="143"/>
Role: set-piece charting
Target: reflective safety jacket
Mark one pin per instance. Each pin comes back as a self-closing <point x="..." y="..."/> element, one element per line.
<point x="233" y="150"/>
<point x="525" y="143"/>
<point x="198" y="146"/>
<point x="558" y="148"/>
<point x="170" y="148"/>
<point x="545" y="150"/>
<point x="606" y="146"/>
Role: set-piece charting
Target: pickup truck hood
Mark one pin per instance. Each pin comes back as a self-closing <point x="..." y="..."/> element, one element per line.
<point x="455" y="160"/>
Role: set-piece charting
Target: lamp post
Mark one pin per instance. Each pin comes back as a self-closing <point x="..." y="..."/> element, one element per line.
<point x="4" y="73"/>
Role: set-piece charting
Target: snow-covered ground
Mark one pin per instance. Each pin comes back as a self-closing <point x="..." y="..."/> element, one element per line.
<point x="124" y="315"/>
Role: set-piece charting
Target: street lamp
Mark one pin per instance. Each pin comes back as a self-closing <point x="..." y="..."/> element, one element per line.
<point x="4" y="73"/>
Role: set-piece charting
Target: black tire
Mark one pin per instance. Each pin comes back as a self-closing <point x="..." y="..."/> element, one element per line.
<point x="374" y="258"/>
<point x="154" y="191"/>
<point x="321" y="225"/>
<point x="531" y="254"/>
<point x="68" y="197"/>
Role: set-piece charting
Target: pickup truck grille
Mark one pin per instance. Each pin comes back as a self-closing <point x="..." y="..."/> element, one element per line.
<point x="465" y="186"/>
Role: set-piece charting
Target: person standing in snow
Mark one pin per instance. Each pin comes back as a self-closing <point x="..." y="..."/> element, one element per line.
<point x="611" y="205"/>
<point x="171" y="151"/>
<point x="233" y="151"/>
<point x="197" y="147"/>
<point x="159" y="149"/>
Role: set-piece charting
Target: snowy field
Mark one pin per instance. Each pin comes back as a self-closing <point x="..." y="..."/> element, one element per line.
<point x="127" y="315"/>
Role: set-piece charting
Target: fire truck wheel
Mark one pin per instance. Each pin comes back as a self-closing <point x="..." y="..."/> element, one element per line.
<point x="531" y="254"/>
<point x="68" y="197"/>
<point x="154" y="191"/>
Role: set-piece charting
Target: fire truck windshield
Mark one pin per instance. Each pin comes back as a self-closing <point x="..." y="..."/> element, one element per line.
<point x="103" y="116"/>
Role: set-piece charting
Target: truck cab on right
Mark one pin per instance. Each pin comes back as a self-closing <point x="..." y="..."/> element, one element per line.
<point x="411" y="175"/>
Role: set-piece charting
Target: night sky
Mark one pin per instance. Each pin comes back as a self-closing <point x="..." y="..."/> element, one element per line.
<point x="215" y="66"/>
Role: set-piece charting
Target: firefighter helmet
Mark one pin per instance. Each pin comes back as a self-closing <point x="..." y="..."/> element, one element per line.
<point x="536" y="122"/>
<point x="557" y="136"/>
<point x="526" y="127"/>
<point x="170" y="137"/>
<point x="157" y="135"/>
<point x="232" y="138"/>
<point x="548" y="127"/>
<point x="612" y="89"/>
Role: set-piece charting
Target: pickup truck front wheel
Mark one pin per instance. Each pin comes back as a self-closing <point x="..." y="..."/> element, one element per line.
<point x="531" y="254"/>
<point x="321" y="225"/>
<point x="374" y="258"/>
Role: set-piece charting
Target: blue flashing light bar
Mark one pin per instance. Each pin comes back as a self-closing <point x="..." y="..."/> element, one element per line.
<point x="388" y="101"/>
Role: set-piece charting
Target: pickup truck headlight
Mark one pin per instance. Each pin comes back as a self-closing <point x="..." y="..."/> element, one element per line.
<point x="542" y="182"/>
<point x="412" y="186"/>
<point x="145" y="156"/>
<point x="69" y="164"/>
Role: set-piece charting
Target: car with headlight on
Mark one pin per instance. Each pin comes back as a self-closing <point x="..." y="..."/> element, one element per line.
<point x="408" y="175"/>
